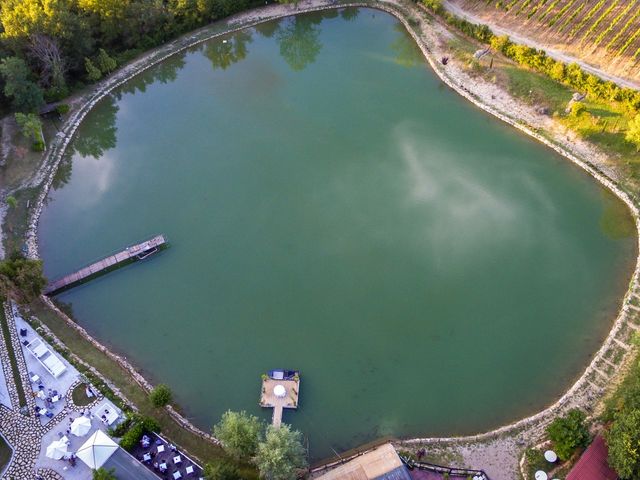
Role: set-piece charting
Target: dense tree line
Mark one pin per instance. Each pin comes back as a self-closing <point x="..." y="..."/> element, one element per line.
<point x="571" y="75"/>
<point x="50" y="47"/>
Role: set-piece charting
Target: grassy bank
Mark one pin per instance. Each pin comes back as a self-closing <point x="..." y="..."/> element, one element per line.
<point x="194" y="444"/>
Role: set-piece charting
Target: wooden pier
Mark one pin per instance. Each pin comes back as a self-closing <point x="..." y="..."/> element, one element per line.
<point x="130" y="254"/>
<point x="280" y="393"/>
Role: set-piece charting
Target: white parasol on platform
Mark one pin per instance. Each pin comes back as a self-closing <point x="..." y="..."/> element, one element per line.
<point x="540" y="475"/>
<point x="550" y="456"/>
<point x="279" y="391"/>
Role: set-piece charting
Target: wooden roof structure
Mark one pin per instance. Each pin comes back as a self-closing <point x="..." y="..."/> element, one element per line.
<point x="593" y="463"/>
<point x="382" y="463"/>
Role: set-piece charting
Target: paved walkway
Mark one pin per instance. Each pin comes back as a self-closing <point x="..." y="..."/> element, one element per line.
<point x="26" y="434"/>
<point x="5" y="398"/>
<point x="62" y="384"/>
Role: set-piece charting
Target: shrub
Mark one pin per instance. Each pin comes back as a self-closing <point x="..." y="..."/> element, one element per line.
<point x="633" y="132"/>
<point x="93" y="73"/>
<point x="221" y="471"/>
<point x="500" y="43"/>
<point x="160" y="395"/>
<point x="104" y="474"/>
<point x="122" y="427"/>
<point x="30" y="126"/>
<point x="11" y="201"/>
<point x="131" y="438"/>
<point x="568" y="433"/>
<point x="577" y="108"/>
<point x="38" y="146"/>
<point x="434" y="5"/>
<point x="62" y="109"/>
<point x="104" y="62"/>
<point x="150" y="424"/>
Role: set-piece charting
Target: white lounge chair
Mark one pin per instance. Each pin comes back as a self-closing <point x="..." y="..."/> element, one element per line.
<point x="38" y="348"/>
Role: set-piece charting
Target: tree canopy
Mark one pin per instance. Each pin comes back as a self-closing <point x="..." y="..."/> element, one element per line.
<point x="281" y="455"/>
<point x="53" y="44"/>
<point x="568" y="433"/>
<point x="25" y="95"/>
<point x="623" y="441"/>
<point x="21" y="278"/>
<point x="160" y="395"/>
<point x="221" y="470"/>
<point x="239" y="433"/>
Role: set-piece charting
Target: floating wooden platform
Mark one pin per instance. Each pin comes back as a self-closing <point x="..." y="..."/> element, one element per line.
<point x="269" y="399"/>
<point x="130" y="254"/>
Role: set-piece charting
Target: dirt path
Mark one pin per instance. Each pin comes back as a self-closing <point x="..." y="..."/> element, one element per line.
<point x="457" y="10"/>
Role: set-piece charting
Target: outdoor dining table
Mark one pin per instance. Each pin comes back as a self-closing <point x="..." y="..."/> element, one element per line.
<point x="35" y="378"/>
<point x="43" y="411"/>
<point x="177" y="475"/>
<point x="163" y="467"/>
<point x="177" y="459"/>
<point x="189" y="469"/>
<point x="160" y="448"/>
<point x="146" y="457"/>
<point x="55" y="398"/>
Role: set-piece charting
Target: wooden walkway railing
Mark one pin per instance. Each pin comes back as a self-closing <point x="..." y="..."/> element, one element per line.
<point x="451" y="471"/>
<point x="129" y="254"/>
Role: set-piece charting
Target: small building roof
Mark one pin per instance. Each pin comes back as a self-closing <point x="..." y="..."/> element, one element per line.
<point x="382" y="463"/>
<point x="593" y="463"/>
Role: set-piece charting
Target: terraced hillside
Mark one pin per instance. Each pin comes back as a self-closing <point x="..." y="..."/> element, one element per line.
<point x="605" y="33"/>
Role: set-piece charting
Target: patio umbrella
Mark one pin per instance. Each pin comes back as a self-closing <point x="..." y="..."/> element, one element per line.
<point x="57" y="449"/>
<point x="97" y="450"/>
<point x="540" y="475"/>
<point x="81" y="426"/>
<point x="550" y="456"/>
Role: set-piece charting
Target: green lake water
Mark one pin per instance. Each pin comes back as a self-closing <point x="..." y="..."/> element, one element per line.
<point x="333" y="208"/>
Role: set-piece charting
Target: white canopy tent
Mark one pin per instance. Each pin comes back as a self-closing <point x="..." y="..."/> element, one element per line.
<point x="81" y="426"/>
<point x="57" y="449"/>
<point x="97" y="450"/>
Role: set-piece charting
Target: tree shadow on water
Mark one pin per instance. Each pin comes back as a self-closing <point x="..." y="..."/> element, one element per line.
<point x="101" y="136"/>
<point x="299" y="41"/>
<point x="407" y="52"/>
<point x="223" y="54"/>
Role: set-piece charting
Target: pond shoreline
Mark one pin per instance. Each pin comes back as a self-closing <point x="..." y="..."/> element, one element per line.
<point x="582" y="392"/>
